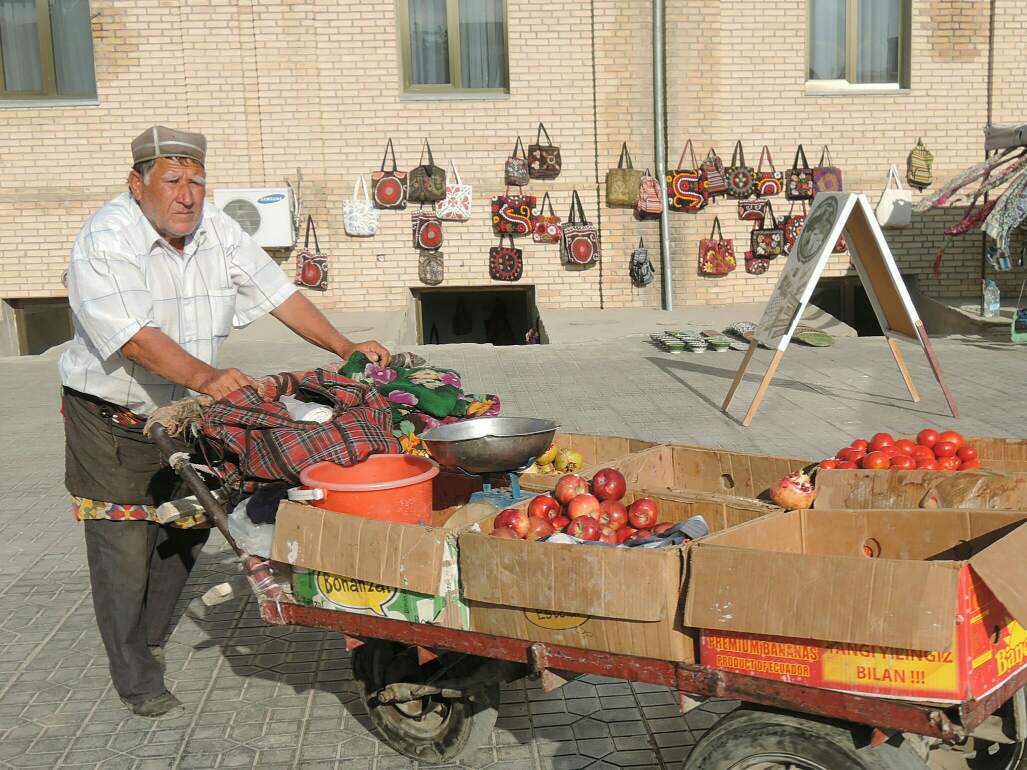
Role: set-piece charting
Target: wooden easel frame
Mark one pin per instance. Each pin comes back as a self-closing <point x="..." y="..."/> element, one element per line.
<point x="887" y="293"/>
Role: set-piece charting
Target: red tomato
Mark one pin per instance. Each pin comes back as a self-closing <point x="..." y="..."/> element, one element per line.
<point x="927" y="437"/>
<point x="860" y="443"/>
<point x="846" y="465"/>
<point x="905" y="446"/>
<point x="876" y="461"/>
<point x="890" y="451"/>
<point x="969" y="465"/>
<point x="945" y="449"/>
<point x="881" y="440"/>
<point x="828" y="464"/>
<point x="923" y="454"/>
<point x="966" y="453"/>
<point x="949" y="463"/>
<point x="902" y="462"/>
<point x="927" y="465"/>
<point x="851" y="454"/>
<point x="952" y="437"/>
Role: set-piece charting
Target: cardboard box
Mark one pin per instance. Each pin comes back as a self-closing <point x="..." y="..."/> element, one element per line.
<point x="596" y="452"/>
<point x="680" y="467"/>
<point x="1005" y="455"/>
<point x="860" y="489"/>
<point x="911" y="604"/>
<point x="625" y="600"/>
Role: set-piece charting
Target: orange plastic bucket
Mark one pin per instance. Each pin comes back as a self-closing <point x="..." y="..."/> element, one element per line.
<point x="389" y="487"/>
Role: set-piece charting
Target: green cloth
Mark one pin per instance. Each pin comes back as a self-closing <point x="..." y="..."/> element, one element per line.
<point x="435" y="392"/>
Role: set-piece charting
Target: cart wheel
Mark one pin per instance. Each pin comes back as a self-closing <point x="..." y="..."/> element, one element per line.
<point x="766" y="740"/>
<point x="979" y="754"/>
<point x="431" y="729"/>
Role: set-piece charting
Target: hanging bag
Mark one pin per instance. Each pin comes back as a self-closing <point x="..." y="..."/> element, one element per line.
<point x="359" y="216"/>
<point x="768" y="182"/>
<point x="792" y="225"/>
<point x="649" y="199"/>
<point x="754" y="210"/>
<point x="755" y="265"/>
<point x="716" y="253"/>
<point x="622" y="182"/>
<point x="768" y="242"/>
<point x="918" y="166"/>
<point x="456" y="206"/>
<point x="544" y="160"/>
<point x="826" y="177"/>
<point x="741" y="180"/>
<point x="641" y="269"/>
<point x="430" y="268"/>
<point x="686" y="187"/>
<point x="311" y="266"/>
<point x="799" y="179"/>
<point x="506" y="263"/>
<point x="389" y="188"/>
<point x="426" y="183"/>
<point x="512" y="214"/>
<point x="516" y="169"/>
<point x="580" y="244"/>
<point x="713" y="171"/>
<point x="895" y="208"/>
<point x="427" y="229"/>
<point x="546" y="228"/>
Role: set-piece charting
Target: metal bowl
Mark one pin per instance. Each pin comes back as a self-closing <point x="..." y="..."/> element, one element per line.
<point x="490" y="444"/>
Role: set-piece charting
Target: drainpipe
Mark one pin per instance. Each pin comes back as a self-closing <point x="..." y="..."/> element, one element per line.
<point x="660" y="120"/>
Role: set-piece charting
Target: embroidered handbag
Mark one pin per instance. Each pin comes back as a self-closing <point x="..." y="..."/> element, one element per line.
<point x="686" y="187"/>
<point x="506" y="263"/>
<point x="895" y="208"/>
<point x="544" y="160"/>
<point x="516" y="169"/>
<point x="641" y="269"/>
<point x="427" y="229"/>
<point x="545" y="228"/>
<point x="389" y="188"/>
<point x="622" y="182"/>
<point x="756" y="265"/>
<point x="650" y="200"/>
<point x="426" y="183"/>
<point x="826" y="178"/>
<point x="456" y="206"/>
<point x="768" y="242"/>
<point x="511" y="214"/>
<point x="311" y="266"/>
<point x="918" y="166"/>
<point x="792" y="225"/>
<point x="359" y="216"/>
<point x="799" y="179"/>
<point x="741" y="180"/>
<point x="430" y="268"/>
<point x="713" y="170"/>
<point x="580" y="244"/>
<point x="754" y="210"/>
<point x="768" y="182"/>
<point x="716" y="253"/>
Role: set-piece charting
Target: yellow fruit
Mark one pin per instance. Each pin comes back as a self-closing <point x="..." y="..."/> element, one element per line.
<point x="568" y="460"/>
<point x="548" y="468"/>
<point x="547" y="457"/>
<point x="533" y="468"/>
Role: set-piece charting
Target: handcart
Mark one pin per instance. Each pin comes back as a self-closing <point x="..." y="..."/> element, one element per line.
<point x="433" y="693"/>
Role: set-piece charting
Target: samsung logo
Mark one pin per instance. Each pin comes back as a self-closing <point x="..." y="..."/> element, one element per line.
<point x="274" y="198"/>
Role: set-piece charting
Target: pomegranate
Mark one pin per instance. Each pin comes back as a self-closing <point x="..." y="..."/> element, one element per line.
<point x="560" y="523"/>
<point x="584" y="528"/>
<point x="544" y="507"/>
<point x="583" y="505"/>
<point x="613" y="514"/>
<point x="569" y="487"/>
<point x="609" y="484"/>
<point x="626" y="533"/>
<point x="607" y="535"/>
<point x="794" y="491"/>
<point x="514" y="518"/>
<point x="505" y="532"/>
<point x="538" y="528"/>
<point x="642" y="513"/>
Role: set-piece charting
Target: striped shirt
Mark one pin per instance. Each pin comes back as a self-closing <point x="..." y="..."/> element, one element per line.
<point x="124" y="276"/>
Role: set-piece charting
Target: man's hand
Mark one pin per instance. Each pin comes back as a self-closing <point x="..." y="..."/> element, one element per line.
<point x="218" y="383"/>
<point x="374" y="350"/>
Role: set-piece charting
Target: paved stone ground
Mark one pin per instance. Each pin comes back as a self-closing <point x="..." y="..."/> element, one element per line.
<point x="271" y="697"/>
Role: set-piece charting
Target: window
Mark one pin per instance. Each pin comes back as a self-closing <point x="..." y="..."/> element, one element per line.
<point x="453" y="46"/>
<point x="46" y="50"/>
<point x="862" y="44"/>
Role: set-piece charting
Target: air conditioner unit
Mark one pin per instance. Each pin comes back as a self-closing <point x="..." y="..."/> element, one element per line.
<point x="265" y="214"/>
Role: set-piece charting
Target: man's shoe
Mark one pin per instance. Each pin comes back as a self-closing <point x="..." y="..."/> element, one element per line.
<point x="163" y="705"/>
<point x="158" y="655"/>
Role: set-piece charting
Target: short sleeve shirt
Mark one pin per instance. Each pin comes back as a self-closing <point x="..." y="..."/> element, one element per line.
<point x="123" y="276"/>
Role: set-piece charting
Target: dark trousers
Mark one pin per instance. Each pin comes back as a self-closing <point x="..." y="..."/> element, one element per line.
<point x="137" y="570"/>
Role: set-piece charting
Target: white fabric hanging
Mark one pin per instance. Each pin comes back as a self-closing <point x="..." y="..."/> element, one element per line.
<point x="359" y="216"/>
<point x="456" y="206"/>
<point x="895" y="208"/>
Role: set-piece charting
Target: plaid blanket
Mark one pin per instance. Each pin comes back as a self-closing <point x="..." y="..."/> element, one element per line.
<point x="262" y="443"/>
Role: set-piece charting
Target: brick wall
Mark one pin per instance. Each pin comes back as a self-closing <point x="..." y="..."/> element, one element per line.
<point x="279" y="86"/>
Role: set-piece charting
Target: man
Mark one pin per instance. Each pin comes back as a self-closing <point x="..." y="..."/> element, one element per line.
<point x="157" y="280"/>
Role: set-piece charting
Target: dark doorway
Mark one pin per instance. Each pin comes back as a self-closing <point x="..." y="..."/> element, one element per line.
<point x="42" y="323"/>
<point x="847" y="300"/>
<point x="495" y="316"/>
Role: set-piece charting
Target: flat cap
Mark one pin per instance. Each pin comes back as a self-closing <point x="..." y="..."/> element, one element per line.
<point x="162" y="142"/>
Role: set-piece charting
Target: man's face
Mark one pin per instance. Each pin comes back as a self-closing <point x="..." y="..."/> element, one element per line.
<point x="172" y="197"/>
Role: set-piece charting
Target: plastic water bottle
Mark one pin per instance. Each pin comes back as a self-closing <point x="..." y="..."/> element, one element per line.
<point x="992" y="303"/>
